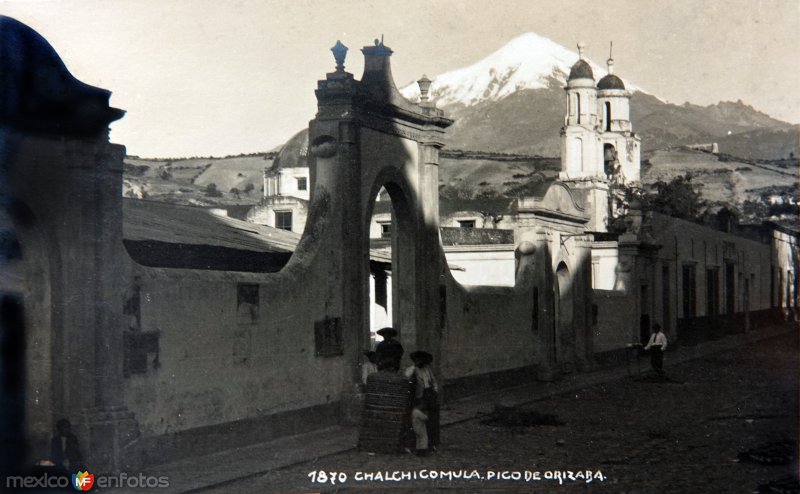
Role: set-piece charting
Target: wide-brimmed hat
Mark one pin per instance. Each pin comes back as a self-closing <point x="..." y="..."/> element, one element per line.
<point x="387" y="332"/>
<point x="422" y="356"/>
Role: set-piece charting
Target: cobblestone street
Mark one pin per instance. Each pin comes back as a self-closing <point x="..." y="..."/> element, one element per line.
<point x="632" y="435"/>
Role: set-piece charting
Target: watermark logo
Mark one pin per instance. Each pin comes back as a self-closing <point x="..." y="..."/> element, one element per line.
<point x="85" y="481"/>
<point x="82" y="481"/>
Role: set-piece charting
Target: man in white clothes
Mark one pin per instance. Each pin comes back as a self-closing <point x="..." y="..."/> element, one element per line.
<point x="657" y="346"/>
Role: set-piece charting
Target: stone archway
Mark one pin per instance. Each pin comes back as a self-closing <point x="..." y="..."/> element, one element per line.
<point x="365" y="136"/>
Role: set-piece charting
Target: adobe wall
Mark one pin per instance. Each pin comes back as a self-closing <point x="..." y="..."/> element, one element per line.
<point x="613" y="330"/>
<point x="225" y="375"/>
<point x="487" y="330"/>
<point x="476" y="265"/>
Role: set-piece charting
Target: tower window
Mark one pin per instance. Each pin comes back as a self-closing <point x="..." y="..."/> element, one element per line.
<point x="608" y="116"/>
<point x="609" y="157"/>
<point x="578" y="106"/>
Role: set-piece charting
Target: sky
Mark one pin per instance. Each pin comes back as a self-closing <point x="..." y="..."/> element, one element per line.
<point x="221" y="77"/>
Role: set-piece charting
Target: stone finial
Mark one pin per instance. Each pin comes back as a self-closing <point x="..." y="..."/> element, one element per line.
<point x="339" y="54"/>
<point x="610" y="61"/>
<point x="581" y="47"/>
<point x="424" y="86"/>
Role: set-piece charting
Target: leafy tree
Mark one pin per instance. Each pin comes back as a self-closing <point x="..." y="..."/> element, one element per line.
<point x="211" y="190"/>
<point x="248" y="188"/>
<point x="676" y="198"/>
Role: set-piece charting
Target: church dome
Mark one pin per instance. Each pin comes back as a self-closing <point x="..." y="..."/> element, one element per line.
<point x="581" y="70"/>
<point x="294" y="153"/>
<point x="610" y="82"/>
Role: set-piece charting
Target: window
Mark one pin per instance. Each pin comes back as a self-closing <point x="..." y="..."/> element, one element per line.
<point x="302" y="183"/>
<point x="247" y="303"/>
<point x="328" y="337"/>
<point x="730" y="287"/>
<point x="689" y="294"/>
<point x="712" y="292"/>
<point x="466" y="223"/>
<point x="140" y="351"/>
<point x="386" y="230"/>
<point x="608" y="116"/>
<point x="283" y="220"/>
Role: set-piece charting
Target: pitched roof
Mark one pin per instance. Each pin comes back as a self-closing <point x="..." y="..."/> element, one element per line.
<point x="167" y="235"/>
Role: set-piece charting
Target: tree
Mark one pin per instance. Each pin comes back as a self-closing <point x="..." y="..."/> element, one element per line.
<point x="235" y="192"/>
<point x="211" y="190"/>
<point x="677" y="198"/>
<point x="248" y="188"/>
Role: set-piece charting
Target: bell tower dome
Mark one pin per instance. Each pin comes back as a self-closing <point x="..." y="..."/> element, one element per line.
<point x="620" y="146"/>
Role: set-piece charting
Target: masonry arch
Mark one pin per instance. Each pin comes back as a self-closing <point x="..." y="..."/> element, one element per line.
<point x="365" y="136"/>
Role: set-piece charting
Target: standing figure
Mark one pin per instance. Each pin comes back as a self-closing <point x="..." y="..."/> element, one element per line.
<point x="657" y="346"/>
<point x="64" y="449"/>
<point x="425" y="405"/>
<point x="389" y="351"/>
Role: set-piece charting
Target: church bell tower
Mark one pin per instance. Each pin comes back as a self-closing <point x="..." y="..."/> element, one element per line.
<point x="598" y="147"/>
<point x="581" y="151"/>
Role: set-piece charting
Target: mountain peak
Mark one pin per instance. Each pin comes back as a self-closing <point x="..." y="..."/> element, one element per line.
<point x="529" y="61"/>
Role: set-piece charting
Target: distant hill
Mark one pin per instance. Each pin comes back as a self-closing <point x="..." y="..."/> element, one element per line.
<point x="722" y="180"/>
<point x="491" y="179"/>
<point x="186" y="181"/>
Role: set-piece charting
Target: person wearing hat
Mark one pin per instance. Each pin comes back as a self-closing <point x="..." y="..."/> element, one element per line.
<point x="425" y="409"/>
<point x="389" y="351"/>
<point x="370" y="366"/>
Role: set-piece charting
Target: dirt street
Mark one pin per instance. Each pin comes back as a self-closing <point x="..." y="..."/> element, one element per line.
<point x="708" y="428"/>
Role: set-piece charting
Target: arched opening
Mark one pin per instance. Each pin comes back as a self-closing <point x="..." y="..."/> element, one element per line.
<point x="382" y="224"/>
<point x="391" y="263"/>
<point x="28" y="353"/>
<point x="578" y="106"/>
<point x="12" y="382"/>
<point x="609" y="160"/>
<point x="607" y="116"/>
<point x="565" y="335"/>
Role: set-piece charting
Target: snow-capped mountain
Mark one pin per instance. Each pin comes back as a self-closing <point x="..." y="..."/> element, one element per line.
<point x="528" y="61"/>
<point x="513" y="101"/>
